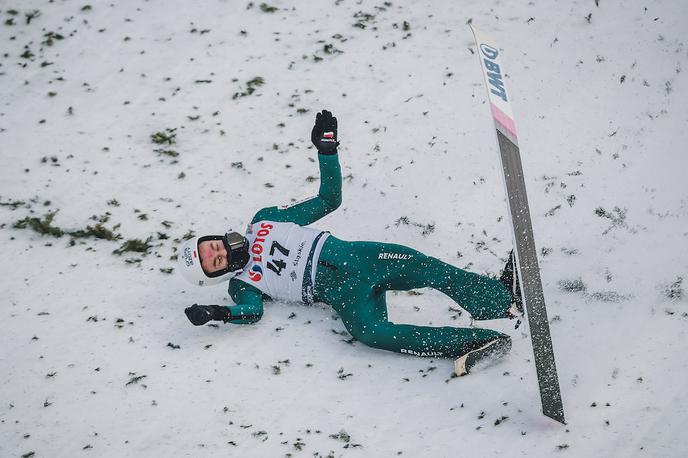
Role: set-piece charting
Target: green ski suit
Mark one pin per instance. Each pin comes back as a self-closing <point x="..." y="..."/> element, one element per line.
<point x="353" y="278"/>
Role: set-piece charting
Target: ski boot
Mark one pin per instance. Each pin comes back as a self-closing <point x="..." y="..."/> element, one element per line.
<point x="509" y="279"/>
<point x="484" y="352"/>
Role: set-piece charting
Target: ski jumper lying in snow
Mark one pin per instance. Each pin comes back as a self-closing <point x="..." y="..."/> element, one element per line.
<point x="280" y="258"/>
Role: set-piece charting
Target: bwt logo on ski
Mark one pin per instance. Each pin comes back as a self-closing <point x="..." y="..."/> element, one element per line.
<point x="494" y="72"/>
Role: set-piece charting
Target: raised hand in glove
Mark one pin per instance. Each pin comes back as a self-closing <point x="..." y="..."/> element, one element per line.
<point x="324" y="133"/>
<point x="201" y="314"/>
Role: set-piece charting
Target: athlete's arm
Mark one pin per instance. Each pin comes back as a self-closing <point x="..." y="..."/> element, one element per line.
<point x="248" y="300"/>
<point x="249" y="308"/>
<point x="324" y="138"/>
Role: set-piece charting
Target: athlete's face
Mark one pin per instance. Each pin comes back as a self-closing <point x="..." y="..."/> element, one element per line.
<point x="213" y="255"/>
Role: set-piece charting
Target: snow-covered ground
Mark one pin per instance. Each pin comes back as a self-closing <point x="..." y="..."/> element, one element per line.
<point x="96" y="355"/>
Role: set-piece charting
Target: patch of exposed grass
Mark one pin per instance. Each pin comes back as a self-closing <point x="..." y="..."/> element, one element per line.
<point x="427" y="229"/>
<point x="50" y="38"/>
<point x="363" y="19"/>
<point x="188" y="236"/>
<point x="98" y="231"/>
<point x="674" y="290"/>
<point x="168" y="136"/>
<point x="166" y="152"/>
<point x="13" y="204"/>
<point x="617" y="217"/>
<point x="251" y="86"/>
<point x="265" y="8"/>
<point x="135" y="245"/>
<point x="44" y="226"/>
<point x="41" y="225"/>
<point x="572" y="286"/>
<point x="609" y="296"/>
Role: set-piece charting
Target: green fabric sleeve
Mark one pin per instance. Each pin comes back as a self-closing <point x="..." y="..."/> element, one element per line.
<point x="248" y="300"/>
<point x="328" y="199"/>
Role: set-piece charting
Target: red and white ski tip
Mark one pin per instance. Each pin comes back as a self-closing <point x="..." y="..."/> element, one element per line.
<point x="500" y="101"/>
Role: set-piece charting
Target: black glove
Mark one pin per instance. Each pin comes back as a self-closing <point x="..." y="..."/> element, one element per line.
<point x="201" y="314"/>
<point x="324" y="133"/>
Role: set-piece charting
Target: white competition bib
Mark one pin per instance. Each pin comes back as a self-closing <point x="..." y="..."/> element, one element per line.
<point x="283" y="260"/>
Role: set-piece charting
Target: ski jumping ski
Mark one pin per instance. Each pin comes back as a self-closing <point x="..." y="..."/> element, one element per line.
<point x="524" y="243"/>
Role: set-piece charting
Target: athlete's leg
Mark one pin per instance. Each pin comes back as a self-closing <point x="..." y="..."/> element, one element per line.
<point x="396" y="267"/>
<point x="363" y="311"/>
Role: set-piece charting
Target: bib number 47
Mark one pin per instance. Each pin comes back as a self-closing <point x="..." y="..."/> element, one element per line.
<point x="277" y="265"/>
